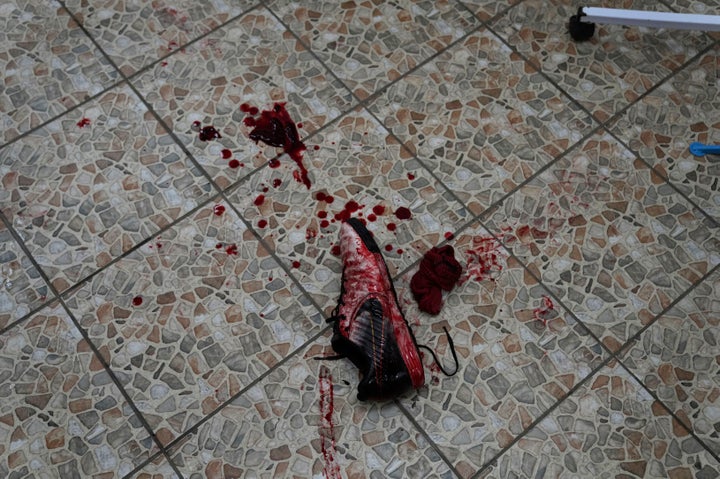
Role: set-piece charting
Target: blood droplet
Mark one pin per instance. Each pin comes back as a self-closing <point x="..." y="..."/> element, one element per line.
<point x="218" y="246"/>
<point x="208" y="133"/>
<point x="274" y="127"/>
<point x="449" y="235"/>
<point x="234" y="164"/>
<point x="137" y="301"/>
<point x="335" y="250"/>
<point x="296" y="264"/>
<point x="403" y="213"/>
<point x="262" y="223"/>
<point x="322" y="214"/>
<point x="410" y="176"/>
<point x="324" y="224"/>
<point x="231" y="249"/>
<point x="226" y="153"/>
<point x="276" y="182"/>
<point x="83" y="123"/>
<point x="259" y="200"/>
<point x="379" y="210"/>
<point x="274" y="163"/>
<point x="388" y="247"/>
<point x="218" y="210"/>
<point x="246" y="108"/>
<point x="371" y="217"/>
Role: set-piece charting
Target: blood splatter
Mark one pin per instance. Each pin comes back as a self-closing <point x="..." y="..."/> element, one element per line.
<point x="449" y="235"/>
<point x="335" y="250"/>
<point x="388" y="247"/>
<point x="218" y="246"/>
<point x="379" y="210"/>
<point x="322" y="214"/>
<point x="232" y="249"/>
<point x="310" y="234"/>
<point x="546" y="307"/>
<point x="351" y="207"/>
<point x="276" y="182"/>
<point x="208" y="133"/>
<point x="410" y="176"/>
<point x="483" y="259"/>
<point x="391" y="226"/>
<point x="218" y="210"/>
<point x="326" y="427"/>
<point x="245" y="108"/>
<point x="262" y="223"/>
<point x="137" y="301"/>
<point x="316" y="147"/>
<point x="403" y="213"/>
<point x="83" y="123"/>
<point x="274" y="127"/>
<point x="324" y="224"/>
<point x="371" y="217"/>
<point x="274" y="163"/>
<point x="400" y="251"/>
<point x="234" y="164"/>
<point x="226" y="153"/>
<point x="260" y="199"/>
<point x="296" y="264"/>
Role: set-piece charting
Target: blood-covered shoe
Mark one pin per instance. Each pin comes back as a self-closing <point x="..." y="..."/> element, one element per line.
<point x="369" y="327"/>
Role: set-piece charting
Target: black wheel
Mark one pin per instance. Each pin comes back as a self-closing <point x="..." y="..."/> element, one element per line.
<point x="580" y="31"/>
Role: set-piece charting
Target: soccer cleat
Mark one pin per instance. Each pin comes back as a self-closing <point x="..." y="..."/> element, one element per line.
<point x="369" y="327"/>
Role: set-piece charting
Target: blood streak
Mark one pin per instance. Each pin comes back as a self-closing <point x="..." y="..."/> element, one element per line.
<point x="274" y="127"/>
<point x="83" y="123"/>
<point x="483" y="259"/>
<point x="326" y="427"/>
<point x="541" y="313"/>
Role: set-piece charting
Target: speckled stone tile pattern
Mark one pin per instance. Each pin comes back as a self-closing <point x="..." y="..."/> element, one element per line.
<point x="368" y="44"/>
<point x="48" y="63"/>
<point x="611" y="70"/>
<point x="481" y="118"/>
<point x="166" y="280"/>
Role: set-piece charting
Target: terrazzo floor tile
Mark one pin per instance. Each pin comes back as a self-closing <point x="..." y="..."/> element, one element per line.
<point x="22" y="289"/>
<point x="519" y="353"/>
<point x="481" y="119"/>
<point x="48" y="65"/>
<point x="358" y="170"/>
<point x="661" y="130"/>
<point x="486" y="9"/>
<point x="136" y="33"/>
<point x="611" y="240"/>
<point x="369" y="44"/>
<point x="611" y="70"/>
<point x="303" y="420"/>
<point x="609" y="427"/>
<point x="677" y="358"/>
<point x="158" y="469"/>
<point x="95" y="183"/>
<point x="60" y="413"/>
<point x="193" y="316"/>
<point x="253" y="61"/>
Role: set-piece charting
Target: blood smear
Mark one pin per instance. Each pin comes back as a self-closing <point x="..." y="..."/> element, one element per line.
<point x="545" y="308"/>
<point x="483" y="259"/>
<point x="326" y="427"/>
<point x="231" y="249"/>
<point x="83" y="123"/>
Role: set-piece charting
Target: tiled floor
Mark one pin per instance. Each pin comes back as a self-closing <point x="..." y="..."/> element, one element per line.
<point x="145" y="333"/>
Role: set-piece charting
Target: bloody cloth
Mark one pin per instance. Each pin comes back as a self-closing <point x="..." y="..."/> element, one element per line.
<point x="439" y="270"/>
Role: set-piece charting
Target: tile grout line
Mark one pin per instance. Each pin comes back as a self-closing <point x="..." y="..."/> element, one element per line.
<point x="493" y="461"/>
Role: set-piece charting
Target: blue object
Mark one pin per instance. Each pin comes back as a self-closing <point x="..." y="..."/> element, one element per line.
<point x="701" y="149"/>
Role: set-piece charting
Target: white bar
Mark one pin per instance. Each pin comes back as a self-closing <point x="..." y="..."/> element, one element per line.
<point x="641" y="18"/>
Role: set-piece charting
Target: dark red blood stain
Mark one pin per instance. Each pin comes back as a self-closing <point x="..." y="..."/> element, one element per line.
<point x="543" y="311"/>
<point x="388" y="247"/>
<point x="410" y="176"/>
<point x="83" y="123"/>
<point x="310" y="234"/>
<point x="331" y="468"/>
<point x="262" y="223"/>
<point x="300" y="125"/>
<point x="320" y="196"/>
<point x="231" y="249"/>
<point x="218" y="246"/>
<point x="400" y="251"/>
<point x="483" y="260"/>
<point x="335" y="250"/>
<point x="403" y="213"/>
<point x="379" y="210"/>
<point x="274" y="127"/>
<point x="322" y="214"/>
<point x="449" y="235"/>
<point x="350" y="207"/>
<point x="259" y="200"/>
<point x="439" y="271"/>
<point x="371" y="217"/>
<point x="137" y="301"/>
<point x="245" y="108"/>
<point x="274" y="163"/>
<point x="324" y="224"/>
<point x="226" y="153"/>
<point x="158" y="245"/>
<point x="316" y="147"/>
<point x="296" y="264"/>
<point x="265" y="189"/>
<point x="276" y="182"/>
<point x="218" y="210"/>
<point x="234" y="164"/>
<point x="163" y="64"/>
<point x="391" y="226"/>
<point x="208" y="133"/>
